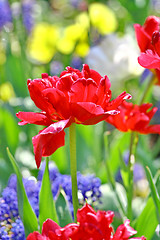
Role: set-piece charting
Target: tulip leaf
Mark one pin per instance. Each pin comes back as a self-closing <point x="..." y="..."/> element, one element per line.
<point x="123" y="170"/>
<point x="63" y="212"/>
<point x="147" y="222"/>
<point x="154" y="192"/>
<point x="47" y="207"/>
<point x="25" y="210"/>
<point x="119" y="143"/>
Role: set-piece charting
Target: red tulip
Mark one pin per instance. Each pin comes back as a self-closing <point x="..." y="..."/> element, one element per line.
<point x="91" y="226"/>
<point x="74" y="97"/>
<point x="148" y="38"/>
<point x="144" y="33"/>
<point x="134" y="117"/>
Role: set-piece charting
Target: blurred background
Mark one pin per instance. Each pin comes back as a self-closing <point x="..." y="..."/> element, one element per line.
<point x="38" y="36"/>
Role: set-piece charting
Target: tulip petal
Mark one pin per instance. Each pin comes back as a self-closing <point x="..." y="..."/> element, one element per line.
<point x="33" y="118"/>
<point x="36" y="88"/>
<point x="89" y="113"/>
<point x="143" y="38"/>
<point x="49" y="140"/>
<point x="114" y="104"/>
<point x="35" y="236"/>
<point x="152" y="129"/>
<point x="48" y="226"/>
<point x="59" y="102"/>
<point x="103" y="92"/>
<point x="118" y="121"/>
<point x="83" y="91"/>
<point x="124" y="231"/>
<point x="90" y="73"/>
<point x="149" y="60"/>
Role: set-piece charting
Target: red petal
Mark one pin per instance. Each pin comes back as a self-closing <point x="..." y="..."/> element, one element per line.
<point x="118" y="121"/>
<point x="89" y="113"/>
<point x="143" y="39"/>
<point x="33" y="118"/>
<point x="65" y="82"/>
<point x="124" y="231"/>
<point x="83" y="91"/>
<point x="137" y="122"/>
<point x="59" y="102"/>
<point x="49" y="140"/>
<point x="153" y="129"/>
<point x="90" y="73"/>
<point x="35" y="88"/>
<point x="82" y="213"/>
<point x="49" y="225"/>
<point x="156" y="41"/>
<point x="103" y="92"/>
<point x="151" y="24"/>
<point x="114" y="104"/>
<point x="149" y="60"/>
<point x="35" y="236"/>
<point x="75" y="73"/>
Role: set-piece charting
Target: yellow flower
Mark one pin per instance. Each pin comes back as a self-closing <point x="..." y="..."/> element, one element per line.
<point x="42" y="41"/>
<point x="6" y="92"/>
<point x="83" y="20"/>
<point x="71" y="37"/>
<point x="102" y="18"/>
<point x="82" y="49"/>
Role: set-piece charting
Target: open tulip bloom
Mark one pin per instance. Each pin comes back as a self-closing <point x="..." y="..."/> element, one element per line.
<point x="135" y="118"/>
<point x="91" y="226"/>
<point x="148" y="38"/>
<point x="82" y="97"/>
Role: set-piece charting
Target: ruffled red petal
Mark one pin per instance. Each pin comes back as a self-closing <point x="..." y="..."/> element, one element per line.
<point x="33" y="118"/>
<point x="49" y="140"/>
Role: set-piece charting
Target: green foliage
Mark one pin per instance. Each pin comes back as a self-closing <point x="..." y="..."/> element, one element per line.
<point x="46" y="203"/>
<point x="147" y="222"/>
<point x="25" y="210"/>
<point x="63" y="212"/>
<point x="137" y="9"/>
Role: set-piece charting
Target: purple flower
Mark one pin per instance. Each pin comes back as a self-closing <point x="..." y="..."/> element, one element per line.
<point x="11" y="226"/>
<point x="27" y="14"/>
<point x="56" y="67"/>
<point x="76" y="62"/>
<point x="5" y="13"/>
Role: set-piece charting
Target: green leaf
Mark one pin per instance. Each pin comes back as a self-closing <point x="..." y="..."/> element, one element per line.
<point x="123" y="170"/>
<point x="25" y="210"/>
<point x="147" y="222"/>
<point x="154" y="192"/>
<point x="46" y="203"/>
<point x="119" y="143"/>
<point x="63" y="212"/>
<point x="137" y="9"/>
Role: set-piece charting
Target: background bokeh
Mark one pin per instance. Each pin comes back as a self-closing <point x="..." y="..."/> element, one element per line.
<point x="46" y="36"/>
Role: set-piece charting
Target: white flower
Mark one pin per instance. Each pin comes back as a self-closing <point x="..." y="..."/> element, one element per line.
<point x="115" y="57"/>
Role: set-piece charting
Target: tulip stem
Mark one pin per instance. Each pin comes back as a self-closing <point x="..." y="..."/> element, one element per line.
<point x="73" y="167"/>
<point x="133" y="143"/>
<point x="149" y="85"/>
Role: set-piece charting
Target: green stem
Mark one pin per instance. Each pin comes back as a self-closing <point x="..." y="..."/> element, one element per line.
<point x="149" y="85"/>
<point x="133" y="143"/>
<point x="73" y="166"/>
<point x="111" y="179"/>
<point x="113" y="186"/>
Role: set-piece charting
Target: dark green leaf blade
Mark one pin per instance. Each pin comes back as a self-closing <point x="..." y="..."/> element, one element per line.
<point x="25" y="210"/>
<point x="47" y="207"/>
<point x="62" y="207"/>
<point x="154" y="192"/>
<point x="147" y="222"/>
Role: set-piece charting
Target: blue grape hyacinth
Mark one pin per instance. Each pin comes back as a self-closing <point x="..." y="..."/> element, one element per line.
<point x="27" y="14"/>
<point x="11" y="226"/>
<point x="5" y="13"/>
